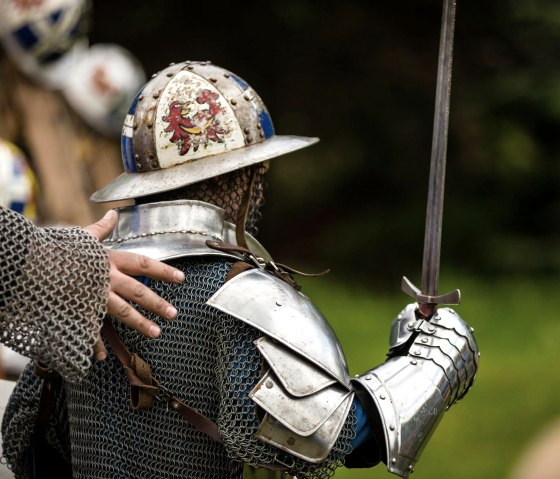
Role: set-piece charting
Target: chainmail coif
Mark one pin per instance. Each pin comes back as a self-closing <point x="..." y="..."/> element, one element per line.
<point x="225" y="191"/>
<point x="53" y="285"/>
<point x="206" y="358"/>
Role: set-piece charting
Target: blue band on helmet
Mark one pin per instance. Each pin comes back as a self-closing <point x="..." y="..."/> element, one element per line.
<point x="242" y="83"/>
<point x="127" y="143"/>
<point x="55" y="16"/>
<point x="127" y="151"/>
<point x="266" y="123"/>
<point x="17" y="206"/>
<point x="26" y="37"/>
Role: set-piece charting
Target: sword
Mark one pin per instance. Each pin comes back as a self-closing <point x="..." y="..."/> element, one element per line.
<point x="427" y="297"/>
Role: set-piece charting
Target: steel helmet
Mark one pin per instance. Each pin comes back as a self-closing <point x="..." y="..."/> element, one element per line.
<point x="101" y="85"/>
<point x="39" y="34"/>
<point x="18" y="186"/>
<point x="193" y="121"/>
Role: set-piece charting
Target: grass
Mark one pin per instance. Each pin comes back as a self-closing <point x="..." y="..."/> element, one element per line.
<point x="517" y="390"/>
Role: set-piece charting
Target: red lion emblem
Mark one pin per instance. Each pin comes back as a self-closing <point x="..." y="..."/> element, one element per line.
<point x="200" y="129"/>
<point x="27" y="4"/>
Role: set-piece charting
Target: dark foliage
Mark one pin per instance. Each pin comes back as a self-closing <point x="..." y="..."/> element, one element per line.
<point x="361" y="76"/>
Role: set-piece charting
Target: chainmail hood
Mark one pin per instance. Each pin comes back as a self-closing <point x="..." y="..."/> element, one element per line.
<point x="225" y="191"/>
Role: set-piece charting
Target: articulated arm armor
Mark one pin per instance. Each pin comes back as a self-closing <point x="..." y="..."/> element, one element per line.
<point x="432" y="364"/>
<point x="306" y="392"/>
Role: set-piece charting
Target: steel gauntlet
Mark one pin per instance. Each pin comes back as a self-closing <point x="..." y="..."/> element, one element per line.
<point x="432" y="364"/>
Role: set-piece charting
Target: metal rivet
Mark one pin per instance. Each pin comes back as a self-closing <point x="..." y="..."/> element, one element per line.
<point x="392" y="427"/>
<point x="138" y="165"/>
<point x="431" y="329"/>
<point x="410" y="325"/>
<point x="175" y="405"/>
<point x="261" y="134"/>
<point x="259" y="126"/>
<point x="213" y="80"/>
<point x="170" y="74"/>
<point x="418" y="352"/>
<point x="189" y="67"/>
<point x="249" y="139"/>
<point x="368" y="377"/>
<point x="411" y="468"/>
<point x="154" y="75"/>
<point x="135" y="127"/>
<point x="424" y="340"/>
<point x="472" y="330"/>
<point x="171" y="64"/>
<point x="226" y="75"/>
<point x="291" y="441"/>
<point x="437" y="317"/>
<point x="150" y="125"/>
<point x="233" y="102"/>
<point x="151" y="156"/>
<point x="269" y="384"/>
<point x="247" y="131"/>
<point x="278" y="303"/>
<point x="393" y="461"/>
<point x="247" y="97"/>
<point x="382" y="396"/>
<point x="154" y="164"/>
<point x="356" y="375"/>
<point x="141" y="97"/>
<point x="136" y="156"/>
<point x="414" y="362"/>
<point x="156" y="95"/>
<point x="400" y="316"/>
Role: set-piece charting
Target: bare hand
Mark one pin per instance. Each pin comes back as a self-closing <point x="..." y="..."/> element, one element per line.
<point x="123" y="287"/>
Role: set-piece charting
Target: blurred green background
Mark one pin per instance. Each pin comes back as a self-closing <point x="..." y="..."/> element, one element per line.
<point x="361" y="76"/>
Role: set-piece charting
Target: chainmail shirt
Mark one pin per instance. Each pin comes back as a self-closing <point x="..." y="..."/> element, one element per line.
<point x="53" y="285"/>
<point x="205" y="358"/>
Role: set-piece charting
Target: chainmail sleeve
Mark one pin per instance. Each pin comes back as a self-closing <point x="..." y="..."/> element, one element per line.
<point x="53" y="293"/>
<point x="205" y="358"/>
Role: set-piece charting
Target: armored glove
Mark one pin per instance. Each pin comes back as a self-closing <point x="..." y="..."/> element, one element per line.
<point x="432" y="364"/>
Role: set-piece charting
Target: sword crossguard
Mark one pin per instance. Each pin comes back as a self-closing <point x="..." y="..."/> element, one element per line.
<point x="453" y="297"/>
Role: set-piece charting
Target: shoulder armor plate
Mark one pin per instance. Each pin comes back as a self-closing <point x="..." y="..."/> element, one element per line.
<point x="284" y="314"/>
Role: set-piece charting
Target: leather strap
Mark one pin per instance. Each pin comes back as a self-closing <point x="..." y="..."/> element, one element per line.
<point x="279" y="270"/>
<point x="46" y="399"/>
<point x="144" y="388"/>
<point x="243" y="211"/>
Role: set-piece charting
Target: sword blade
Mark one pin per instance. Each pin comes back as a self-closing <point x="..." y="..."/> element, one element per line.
<point x="427" y="297"/>
<point x="434" y="210"/>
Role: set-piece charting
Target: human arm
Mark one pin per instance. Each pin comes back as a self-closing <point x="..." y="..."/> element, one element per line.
<point x="307" y="390"/>
<point x="55" y="287"/>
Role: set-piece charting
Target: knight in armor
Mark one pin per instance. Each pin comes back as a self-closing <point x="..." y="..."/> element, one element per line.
<point x="249" y="375"/>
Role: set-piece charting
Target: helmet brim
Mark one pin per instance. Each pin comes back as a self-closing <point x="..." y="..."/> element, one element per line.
<point x="136" y="185"/>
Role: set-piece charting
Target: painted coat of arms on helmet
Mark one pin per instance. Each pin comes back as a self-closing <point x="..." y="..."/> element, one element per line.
<point x="193" y="129"/>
